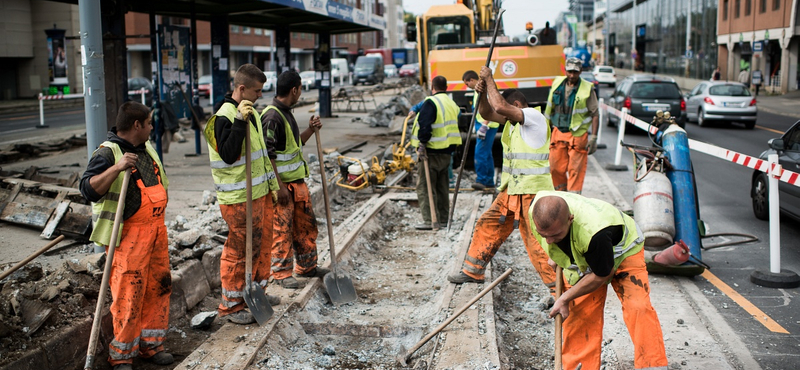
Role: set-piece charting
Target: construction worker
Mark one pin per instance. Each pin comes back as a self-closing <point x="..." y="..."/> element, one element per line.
<point x="485" y="131"/>
<point x="225" y="134"/>
<point x="525" y="172"/>
<point x="571" y="107"/>
<point x="596" y="244"/>
<point x="435" y="135"/>
<point x="294" y="224"/>
<point x="140" y="277"/>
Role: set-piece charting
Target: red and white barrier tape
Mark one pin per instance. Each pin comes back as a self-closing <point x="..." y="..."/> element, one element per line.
<point x="60" y="96"/>
<point x="786" y="176"/>
<point x="140" y="91"/>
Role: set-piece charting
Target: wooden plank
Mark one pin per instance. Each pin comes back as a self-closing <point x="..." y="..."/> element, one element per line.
<point x="10" y="197"/>
<point x="61" y="209"/>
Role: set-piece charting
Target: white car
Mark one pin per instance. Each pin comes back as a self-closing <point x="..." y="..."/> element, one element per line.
<point x="605" y="75"/>
<point x="309" y="80"/>
<point x="390" y="70"/>
<point x="271" y="80"/>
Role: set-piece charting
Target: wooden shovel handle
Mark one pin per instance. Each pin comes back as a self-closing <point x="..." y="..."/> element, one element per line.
<point x="559" y="319"/>
<point x="326" y="198"/>
<point x="248" y="166"/>
<point x="31" y="257"/>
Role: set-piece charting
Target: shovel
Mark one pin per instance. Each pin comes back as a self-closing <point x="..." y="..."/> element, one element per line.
<point x="254" y="296"/>
<point x="559" y="319"/>
<point x="434" y="221"/>
<point x="339" y="286"/>
<point x="101" y="298"/>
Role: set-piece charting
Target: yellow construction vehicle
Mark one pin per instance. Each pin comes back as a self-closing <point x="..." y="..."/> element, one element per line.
<point x="353" y="174"/>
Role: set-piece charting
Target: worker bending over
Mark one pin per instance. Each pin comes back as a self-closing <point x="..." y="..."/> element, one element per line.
<point x="596" y="244"/>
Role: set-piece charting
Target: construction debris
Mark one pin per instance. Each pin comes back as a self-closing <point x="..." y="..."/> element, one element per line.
<point x="203" y="320"/>
<point x="24" y="151"/>
<point x="399" y="105"/>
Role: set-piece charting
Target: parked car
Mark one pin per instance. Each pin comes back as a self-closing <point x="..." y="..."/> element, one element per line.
<point x="788" y="149"/>
<point x="368" y="69"/>
<point x="309" y="80"/>
<point x="272" y="79"/>
<point x="721" y="101"/>
<point x="605" y="75"/>
<point x="137" y="84"/>
<point x="204" y="86"/>
<point x="390" y="70"/>
<point x="644" y="95"/>
<point x="409" y="70"/>
<point x="588" y="76"/>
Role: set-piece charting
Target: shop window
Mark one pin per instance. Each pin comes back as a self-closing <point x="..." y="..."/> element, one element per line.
<point x="258" y="31"/>
<point x="762" y="6"/>
<point x="747" y="7"/>
<point x="234" y="29"/>
<point x="736" y="6"/>
<point x="776" y="4"/>
<point x="245" y="30"/>
<point x="725" y="10"/>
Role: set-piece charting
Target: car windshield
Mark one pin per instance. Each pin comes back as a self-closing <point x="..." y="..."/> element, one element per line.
<point x="655" y="90"/>
<point x="729" y="90"/>
<point x="587" y="76"/>
<point x="204" y="80"/>
<point x="605" y="70"/>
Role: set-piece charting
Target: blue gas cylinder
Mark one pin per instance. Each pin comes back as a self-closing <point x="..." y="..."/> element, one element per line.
<point x="676" y="143"/>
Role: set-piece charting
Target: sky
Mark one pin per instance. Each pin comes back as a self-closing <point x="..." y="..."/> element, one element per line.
<point x="517" y="12"/>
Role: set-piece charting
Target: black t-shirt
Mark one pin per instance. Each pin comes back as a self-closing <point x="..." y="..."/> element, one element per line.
<point x="600" y="253"/>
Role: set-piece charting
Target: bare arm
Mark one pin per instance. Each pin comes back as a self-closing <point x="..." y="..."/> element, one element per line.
<point x="497" y="102"/>
<point x="484" y="108"/>
<point x="312" y="122"/>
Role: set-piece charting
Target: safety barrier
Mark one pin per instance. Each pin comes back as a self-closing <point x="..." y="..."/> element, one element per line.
<point x="771" y="167"/>
<point x="42" y="98"/>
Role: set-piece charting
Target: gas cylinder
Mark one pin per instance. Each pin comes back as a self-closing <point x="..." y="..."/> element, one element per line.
<point x="676" y="144"/>
<point x="653" y="209"/>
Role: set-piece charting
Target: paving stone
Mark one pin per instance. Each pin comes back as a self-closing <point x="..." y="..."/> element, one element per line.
<point x="177" y="301"/>
<point x="193" y="282"/>
<point x="94" y="262"/>
<point x="211" y="267"/>
<point x="188" y="238"/>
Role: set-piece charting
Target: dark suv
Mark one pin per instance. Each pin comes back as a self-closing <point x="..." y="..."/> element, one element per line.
<point x="788" y="149"/>
<point x="644" y="95"/>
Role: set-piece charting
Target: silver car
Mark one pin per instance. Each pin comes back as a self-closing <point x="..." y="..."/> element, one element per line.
<point x="721" y="101"/>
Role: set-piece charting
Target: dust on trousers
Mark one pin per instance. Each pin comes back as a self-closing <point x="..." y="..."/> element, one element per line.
<point x="232" y="261"/>
<point x="140" y="281"/>
<point x="568" y="157"/>
<point x="506" y="213"/>
<point x="295" y="234"/>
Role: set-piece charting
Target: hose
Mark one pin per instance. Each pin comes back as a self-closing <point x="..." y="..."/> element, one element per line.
<point x="749" y="238"/>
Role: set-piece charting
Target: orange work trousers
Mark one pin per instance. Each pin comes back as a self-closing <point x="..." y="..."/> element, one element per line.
<point x="568" y="157"/>
<point x="583" y="328"/>
<point x="295" y="234"/>
<point x="232" y="262"/>
<point x="492" y="229"/>
<point x="140" y="281"/>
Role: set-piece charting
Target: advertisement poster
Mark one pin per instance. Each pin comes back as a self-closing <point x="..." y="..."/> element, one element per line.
<point x="175" y="68"/>
<point x="57" y="56"/>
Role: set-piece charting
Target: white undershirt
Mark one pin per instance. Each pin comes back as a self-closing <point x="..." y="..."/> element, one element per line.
<point x="534" y="128"/>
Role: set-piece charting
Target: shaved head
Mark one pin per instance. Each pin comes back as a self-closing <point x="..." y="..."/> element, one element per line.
<point x="550" y="210"/>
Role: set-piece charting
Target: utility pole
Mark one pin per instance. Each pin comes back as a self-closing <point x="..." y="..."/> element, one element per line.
<point x="94" y="82"/>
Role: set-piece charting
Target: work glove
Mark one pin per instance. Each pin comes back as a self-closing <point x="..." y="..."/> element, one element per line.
<point x="245" y="110"/>
<point x="482" y="131"/>
<point x="591" y="147"/>
<point x="421" y="153"/>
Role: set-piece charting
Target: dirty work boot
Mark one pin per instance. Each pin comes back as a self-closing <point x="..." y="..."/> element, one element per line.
<point x="461" y="278"/>
<point x="273" y="300"/>
<point x="123" y="367"/>
<point x="316" y="272"/>
<point x="161" y="358"/>
<point x="289" y="283"/>
<point x="478" y="186"/>
<point x="242" y="317"/>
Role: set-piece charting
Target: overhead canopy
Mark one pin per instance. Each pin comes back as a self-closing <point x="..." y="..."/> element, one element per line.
<point x="313" y="16"/>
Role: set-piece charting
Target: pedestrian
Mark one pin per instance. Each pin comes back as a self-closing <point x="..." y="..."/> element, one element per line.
<point x="744" y="77"/>
<point x="435" y="135"/>
<point x="294" y="226"/>
<point x="140" y="279"/>
<point x="485" y="132"/>
<point x="571" y="108"/>
<point x="654" y="67"/>
<point x="596" y="244"/>
<point x="225" y="134"/>
<point x="757" y="80"/>
<point x="526" y="148"/>
<point x="717" y="75"/>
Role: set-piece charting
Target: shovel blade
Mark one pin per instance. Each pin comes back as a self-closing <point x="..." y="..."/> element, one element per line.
<point x="256" y="300"/>
<point x="340" y="288"/>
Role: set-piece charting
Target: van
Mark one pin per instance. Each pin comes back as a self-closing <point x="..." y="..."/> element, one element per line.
<point x="368" y="70"/>
<point x="339" y="69"/>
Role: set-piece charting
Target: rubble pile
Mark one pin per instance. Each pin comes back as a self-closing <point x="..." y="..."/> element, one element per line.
<point x="399" y="105"/>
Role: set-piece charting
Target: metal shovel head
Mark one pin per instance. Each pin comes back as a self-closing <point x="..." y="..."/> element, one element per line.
<point x="257" y="301"/>
<point x="340" y="288"/>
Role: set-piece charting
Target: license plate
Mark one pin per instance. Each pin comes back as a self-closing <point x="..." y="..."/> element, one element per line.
<point x="655" y="107"/>
<point x="732" y="105"/>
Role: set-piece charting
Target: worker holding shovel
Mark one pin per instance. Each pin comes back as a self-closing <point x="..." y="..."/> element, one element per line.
<point x="139" y="277"/>
<point x="526" y="171"/>
<point x="225" y="134"/>
<point x="596" y="244"/>
<point x="294" y="226"/>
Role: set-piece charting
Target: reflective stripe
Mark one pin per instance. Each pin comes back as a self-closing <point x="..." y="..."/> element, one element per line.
<point x="290" y="167"/>
<point x="445" y="124"/>
<point x="450" y="134"/>
<point x="527" y="156"/>
<point x="286" y="157"/>
<point x="124" y="346"/>
<point x="241" y="185"/>
<point x="114" y="197"/>
<point x="279" y="269"/>
<point x="474" y="270"/>
<point x="527" y="171"/>
<point x="580" y="110"/>
<point x="119" y="356"/>
<point x="619" y="250"/>
<point x="241" y="161"/>
<point x="107" y="215"/>
<point x="232" y="294"/>
<point x="229" y="304"/>
<point x="476" y="261"/>
<point x="154" y="333"/>
<point x="282" y="261"/>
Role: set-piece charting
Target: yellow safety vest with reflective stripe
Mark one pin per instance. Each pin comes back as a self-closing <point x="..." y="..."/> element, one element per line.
<point x="445" y="129"/>
<point x="591" y="216"/>
<point x="478" y="115"/>
<point x="230" y="180"/>
<point x="526" y="170"/>
<point x="105" y="210"/>
<point x="289" y="163"/>
<point x="581" y="119"/>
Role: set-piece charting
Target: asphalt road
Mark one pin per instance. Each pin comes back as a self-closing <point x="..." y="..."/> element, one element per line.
<point x="725" y="206"/>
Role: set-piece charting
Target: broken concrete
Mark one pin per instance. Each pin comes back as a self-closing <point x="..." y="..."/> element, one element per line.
<point x="192" y="282"/>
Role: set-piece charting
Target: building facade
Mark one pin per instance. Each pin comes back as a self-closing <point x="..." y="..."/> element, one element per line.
<point x="760" y="35"/>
